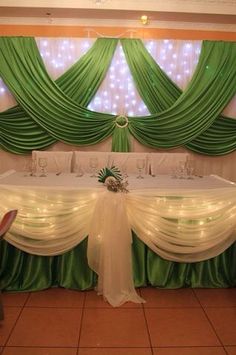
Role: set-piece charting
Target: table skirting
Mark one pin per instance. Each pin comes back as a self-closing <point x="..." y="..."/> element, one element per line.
<point x="20" y="271"/>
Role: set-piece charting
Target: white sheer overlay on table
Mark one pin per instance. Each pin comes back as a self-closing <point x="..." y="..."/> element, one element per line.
<point x="56" y="162"/>
<point x="181" y="220"/>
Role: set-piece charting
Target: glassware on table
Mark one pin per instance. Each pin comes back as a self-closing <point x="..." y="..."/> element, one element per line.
<point x="190" y="167"/>
<point x="26" y="168"/>
<point x="140" y="164"/>
<point x="174" y="172"/>
<point x="43" y="164"/>
<point x="93" y="163"/>
<point x="33" y="167"/>
<point x="124" y="170"/>
<point x="182" y="170"/>
<point x="78" y="170"/>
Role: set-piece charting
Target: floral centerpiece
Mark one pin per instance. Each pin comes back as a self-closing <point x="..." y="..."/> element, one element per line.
<point x="112" y="179"/>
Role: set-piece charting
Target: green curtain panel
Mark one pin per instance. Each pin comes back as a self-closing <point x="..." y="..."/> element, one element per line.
<point x="57" y="109"/>
<point x="186" y="115"/>
<point x="20" y="133"/>
<point x="159" y="93"/>
<point x="20" y="271"/>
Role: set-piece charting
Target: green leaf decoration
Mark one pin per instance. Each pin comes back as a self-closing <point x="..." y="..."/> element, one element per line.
<point x="106" y="172"/>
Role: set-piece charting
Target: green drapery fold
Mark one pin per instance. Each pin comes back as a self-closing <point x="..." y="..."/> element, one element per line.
<point x="219" y="139"/>
<point x="155" y="88"/>
<point x="22" y="132"/>
<point x="53" y="111"/>
<point x="20" y="271"/>
<point x="159" y="93"/>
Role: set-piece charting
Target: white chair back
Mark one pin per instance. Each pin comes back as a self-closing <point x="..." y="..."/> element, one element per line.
<point x="165" y="163"/>
<point x="83" y="161"/>
<point x="128" y="162"/>
<point x="57" y="162"/>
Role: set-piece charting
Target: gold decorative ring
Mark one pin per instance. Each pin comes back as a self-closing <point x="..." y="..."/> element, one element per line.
<point x="121" y="121"/>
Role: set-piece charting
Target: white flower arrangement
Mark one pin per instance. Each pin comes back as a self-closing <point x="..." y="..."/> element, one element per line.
<point x="112" y="179"/>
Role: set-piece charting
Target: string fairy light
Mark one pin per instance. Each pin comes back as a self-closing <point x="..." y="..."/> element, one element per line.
<point x="177" y="58"/>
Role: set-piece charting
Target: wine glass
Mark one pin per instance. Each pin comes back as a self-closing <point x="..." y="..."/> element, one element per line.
<point x="140" y="164"/>
<point x="182" y="169"/>
<point x="93" y="163"/>
<point x="33" y="167"/>
<point x="26" y="168"/>
<point x="190" y="167"/>
<point x="43" y="164"/>
<point x="124" y="170"/>
<point x="79" y="171"/>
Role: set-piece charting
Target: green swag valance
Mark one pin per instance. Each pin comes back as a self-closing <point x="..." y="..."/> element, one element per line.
<point x="49" y="111"/>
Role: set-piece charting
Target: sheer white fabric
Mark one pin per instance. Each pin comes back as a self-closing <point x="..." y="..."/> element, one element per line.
<point x="165" y="163"/>
<point x="57" y="162"/>
<point x="180" y="224"/>
<point x="50" y="209"/>
<point x="184" y="226"/>
<point x="109" y="249"/>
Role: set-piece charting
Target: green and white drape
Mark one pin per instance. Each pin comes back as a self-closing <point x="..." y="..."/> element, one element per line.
<point x="50" y="111"/>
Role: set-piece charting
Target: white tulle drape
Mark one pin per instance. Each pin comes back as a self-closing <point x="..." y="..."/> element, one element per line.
<point x="180" y="224"/>
<point x="109" y="249"/>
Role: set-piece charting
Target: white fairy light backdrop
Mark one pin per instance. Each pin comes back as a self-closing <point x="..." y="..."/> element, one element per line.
<point x="117" y="93"/>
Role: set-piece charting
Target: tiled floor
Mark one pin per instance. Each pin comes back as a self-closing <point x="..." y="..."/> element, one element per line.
<point x="171" y="322"/>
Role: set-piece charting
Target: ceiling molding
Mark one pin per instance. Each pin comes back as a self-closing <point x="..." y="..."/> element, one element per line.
<point x="212" y="15"/>
<point x="117" y="22"/>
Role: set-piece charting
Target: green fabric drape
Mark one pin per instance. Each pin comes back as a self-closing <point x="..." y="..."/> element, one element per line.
<point x="160" y="93"/>
<point x="219" y="139"/>
<point x="155" y="88"/>
<point x="184" y="118"/>
<point x="21" y="132"/>
<point x="211" y="88"/>
<point x="20" y="271"/>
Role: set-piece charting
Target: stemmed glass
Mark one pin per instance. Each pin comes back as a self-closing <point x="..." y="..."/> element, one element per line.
<point x="43" y="164"/>
<point x="190" y="169"/>
<point x="93" y="163"/>
<point x="33" y="167"/>
<point x="182" y="170"/>
<point x="78" y="170"/>
<point x="26" y="168"/>
<point x="140" y="164"/>
<point x="124" y="170"/>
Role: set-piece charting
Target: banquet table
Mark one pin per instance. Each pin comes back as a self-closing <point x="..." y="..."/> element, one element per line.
<point x="56" y="214"/>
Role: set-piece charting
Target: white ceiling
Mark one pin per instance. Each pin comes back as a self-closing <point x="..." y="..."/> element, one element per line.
<point x="215" y="14"/>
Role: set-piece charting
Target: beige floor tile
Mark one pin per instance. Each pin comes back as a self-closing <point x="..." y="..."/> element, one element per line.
<point x="171" y="327"/>
<point x="114" y="328"/>
<point x="183" y="297"/>
<point x="56" y="297"/>
<point x="47" y="327"/>
<point x="224" y="322"/>
<point x="6" y="326"/>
